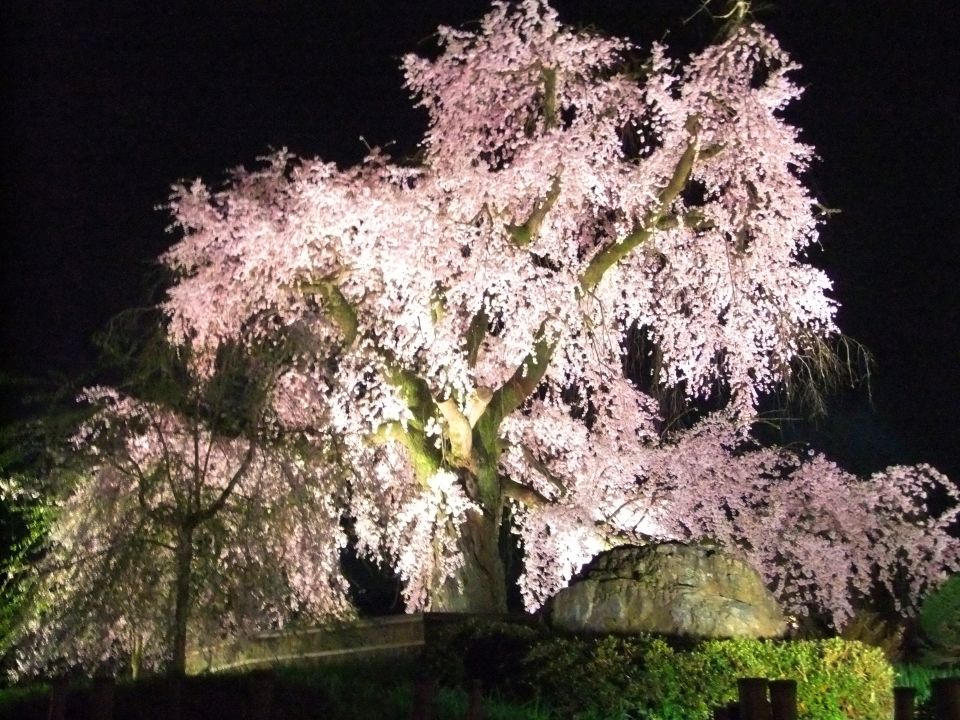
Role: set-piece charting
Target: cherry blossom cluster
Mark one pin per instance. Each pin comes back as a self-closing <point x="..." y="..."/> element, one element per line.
<point x="820" y="536"/>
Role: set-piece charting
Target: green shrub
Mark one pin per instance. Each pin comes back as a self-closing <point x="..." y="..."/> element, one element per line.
<point x="492" y="652"/>
<point x="940" y="621"/>
<point x="871" y="629"/>
<point x="575" y="675"/>
<point x="656" y="679"/>
<point x="653" y="680"/>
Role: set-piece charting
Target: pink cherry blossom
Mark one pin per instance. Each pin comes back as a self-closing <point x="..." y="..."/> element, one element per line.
<point x="452" y="306"/>
<point x="263" y="533"/>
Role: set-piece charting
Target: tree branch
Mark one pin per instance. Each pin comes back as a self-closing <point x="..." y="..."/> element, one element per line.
<point x="338" y="307"/>
<point x="643" y="231"/>
<point x="217" y="506"/>
<point x="476" y="403"/>
<point x="513" y="393"/>
<point x="459" y="432"/>
<point x="142" y="481"/>
<point x="475" y="334"/>
<point x="426" y="458"/>
<point x="526" y="233"/>
<point x="166" y="461"/>
<point x="550" y="118"/>
<point x="543" y="470"/>
<point x="527" y="495"/>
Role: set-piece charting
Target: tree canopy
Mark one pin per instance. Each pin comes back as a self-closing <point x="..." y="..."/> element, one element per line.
<point x="470" y="314"/>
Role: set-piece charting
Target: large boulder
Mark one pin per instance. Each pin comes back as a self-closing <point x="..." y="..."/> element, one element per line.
<point x="668" y="588"/>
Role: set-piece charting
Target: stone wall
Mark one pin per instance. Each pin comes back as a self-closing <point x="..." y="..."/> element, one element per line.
<point x="400" y="637"/>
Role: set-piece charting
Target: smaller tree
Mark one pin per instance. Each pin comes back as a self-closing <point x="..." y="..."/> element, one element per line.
<point x="186" y="516"/>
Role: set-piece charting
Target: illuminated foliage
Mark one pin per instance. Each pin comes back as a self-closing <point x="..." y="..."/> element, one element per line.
<point x="465" y="321"/>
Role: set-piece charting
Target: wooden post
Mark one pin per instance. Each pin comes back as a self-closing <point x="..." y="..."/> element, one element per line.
<point x="730" y="711"/>
<point x="101" y="698"/>
<point x="733" y="710"/>
<point x="946" y="698"/>
<point x="422" y="699"/>
<point x="903" y="703"/>
<point x="260" y="695"/>
<point x="475" y="706"/>
<point x="753" y="699"/>
<point x="59" y="689"/>
<point x="783" y="699"/>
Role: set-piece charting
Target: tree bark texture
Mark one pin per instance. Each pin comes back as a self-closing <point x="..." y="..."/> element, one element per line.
<point x="178" y="661"/>
<point x="480" y="585"/>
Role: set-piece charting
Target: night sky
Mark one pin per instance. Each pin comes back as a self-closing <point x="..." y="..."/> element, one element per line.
<point x="106" y="103"/>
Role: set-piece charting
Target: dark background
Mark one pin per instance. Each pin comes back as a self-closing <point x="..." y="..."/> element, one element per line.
<point x="106" y="103"/>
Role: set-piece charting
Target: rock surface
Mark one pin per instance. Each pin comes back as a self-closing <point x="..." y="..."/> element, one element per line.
<point x="668" y="588"/>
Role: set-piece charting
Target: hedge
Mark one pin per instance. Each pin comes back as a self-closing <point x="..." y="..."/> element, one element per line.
<point x="659" y="678"/>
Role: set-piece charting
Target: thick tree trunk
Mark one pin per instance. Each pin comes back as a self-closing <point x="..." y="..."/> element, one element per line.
<point x="479" y="586"/>
<point x="178" y="660"/>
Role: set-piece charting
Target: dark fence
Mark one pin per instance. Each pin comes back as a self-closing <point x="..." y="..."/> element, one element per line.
<point x="758" y="699"/>
<point x="944" y="699"/>
<point x="777" y="700"/>
<point x="167" y="695"/>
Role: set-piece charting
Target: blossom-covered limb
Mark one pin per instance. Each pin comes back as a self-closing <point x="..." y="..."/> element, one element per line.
<point x="612" y="254"/>
<point x="425" y="457"/>
<point x="511" y="395"/>
<point x="526" y="233"/>
<point x="340" y="309"/>
<point x="527" y="495"/>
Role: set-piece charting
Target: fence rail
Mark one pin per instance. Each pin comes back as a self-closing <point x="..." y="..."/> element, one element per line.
<point x="758" y="699"/>
<point x="405" y="636"/>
